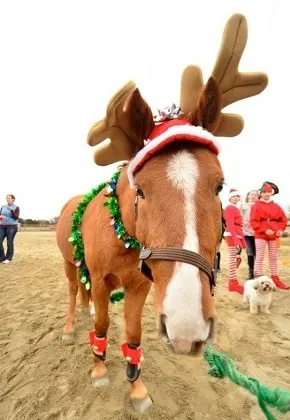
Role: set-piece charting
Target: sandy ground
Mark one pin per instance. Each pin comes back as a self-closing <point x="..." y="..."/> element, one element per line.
<point x="41" y="378"/>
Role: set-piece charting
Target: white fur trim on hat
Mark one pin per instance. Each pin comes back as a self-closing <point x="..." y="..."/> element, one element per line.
<point x="155" y="143"/>
<point x="234" y="193"/>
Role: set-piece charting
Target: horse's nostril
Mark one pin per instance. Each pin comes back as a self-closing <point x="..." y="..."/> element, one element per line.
<point x="162" y="328"/>
<point x="196" y="347"/>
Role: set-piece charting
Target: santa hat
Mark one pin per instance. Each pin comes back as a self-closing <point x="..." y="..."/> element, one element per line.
<point x="166" y="133"/>
<point x="234" y="193"/>
<point x="269" y="187"/>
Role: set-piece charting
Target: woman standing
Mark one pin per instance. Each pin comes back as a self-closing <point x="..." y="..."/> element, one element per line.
<point x="250" y="200"/>
<point x="268" y="221"/>
<point x="9" y="215"/>
<point x="234" y="238"/>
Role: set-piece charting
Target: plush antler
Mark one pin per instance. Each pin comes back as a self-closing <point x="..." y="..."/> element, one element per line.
<point x="123" y="125"/>
<point x="115" y="128"/>
<point x="234" y="86"/>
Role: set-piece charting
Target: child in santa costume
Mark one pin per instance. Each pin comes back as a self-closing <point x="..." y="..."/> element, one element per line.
<point x="234" y="237"/>
<point x="268" y="221"/>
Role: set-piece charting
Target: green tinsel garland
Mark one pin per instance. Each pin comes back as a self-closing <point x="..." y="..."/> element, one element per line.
<point x="116" y="221"/>
<point x="115" y="213"/>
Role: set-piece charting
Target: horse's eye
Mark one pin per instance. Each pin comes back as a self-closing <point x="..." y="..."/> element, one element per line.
<point x="219" y="188"/>
<point x="140" y="193"/>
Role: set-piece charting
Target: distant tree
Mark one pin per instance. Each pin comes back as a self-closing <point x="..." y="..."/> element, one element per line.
<point x="53" y="220"/>
<point x="29" y="222"/>
<point x="42" y="222"/>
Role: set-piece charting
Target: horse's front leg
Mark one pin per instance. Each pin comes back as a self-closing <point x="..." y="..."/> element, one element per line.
<point x="98" y="337"/>
<point x="135" y="297"/>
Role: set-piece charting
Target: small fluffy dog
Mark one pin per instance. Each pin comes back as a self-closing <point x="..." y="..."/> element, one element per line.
<point x="258" y="292"/>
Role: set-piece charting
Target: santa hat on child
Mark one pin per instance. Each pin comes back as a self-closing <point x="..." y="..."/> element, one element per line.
<point x="269" y="187"/>
<point x="234" y="193"/>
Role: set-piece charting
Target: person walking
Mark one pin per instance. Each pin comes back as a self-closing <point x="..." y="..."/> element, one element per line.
<point x="9" y="215"/>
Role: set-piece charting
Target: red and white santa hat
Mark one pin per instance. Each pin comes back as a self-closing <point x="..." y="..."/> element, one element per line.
<point x="234" y="193"/>
<point x="166" y="133"/>
<point x="269" y="187"/>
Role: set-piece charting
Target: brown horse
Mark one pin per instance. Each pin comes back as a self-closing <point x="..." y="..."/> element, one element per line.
<point x="168" y="196"/>
<point x="180" y="186"/>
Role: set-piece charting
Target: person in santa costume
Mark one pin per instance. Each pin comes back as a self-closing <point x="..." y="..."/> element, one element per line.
<point x="268" y="221"/>
<point x="234" y="237"/>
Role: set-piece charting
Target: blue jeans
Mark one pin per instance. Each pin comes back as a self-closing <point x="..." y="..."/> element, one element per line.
<point x="8" y="232"/>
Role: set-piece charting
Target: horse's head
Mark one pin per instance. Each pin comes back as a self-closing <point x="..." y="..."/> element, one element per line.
<point x="177" y="178"/>
<point x="177" y="181"/>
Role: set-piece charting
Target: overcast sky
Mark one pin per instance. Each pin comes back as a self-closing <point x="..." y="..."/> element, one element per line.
<point x="61" y="60"/>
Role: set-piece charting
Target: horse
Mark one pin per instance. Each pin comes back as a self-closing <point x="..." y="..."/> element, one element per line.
<point x="168" y="199"/>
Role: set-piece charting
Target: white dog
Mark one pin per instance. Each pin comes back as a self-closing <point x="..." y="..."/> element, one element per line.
<point x="258" y="292"/>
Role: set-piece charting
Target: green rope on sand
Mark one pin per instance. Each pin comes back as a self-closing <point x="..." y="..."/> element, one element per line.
<point x="222" y="366"/>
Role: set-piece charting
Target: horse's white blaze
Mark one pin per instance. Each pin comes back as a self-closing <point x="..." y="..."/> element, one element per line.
<point x="182" y="304"/>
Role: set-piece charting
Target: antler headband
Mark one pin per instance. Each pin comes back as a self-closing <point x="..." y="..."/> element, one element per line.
<point x="233" y="85"/>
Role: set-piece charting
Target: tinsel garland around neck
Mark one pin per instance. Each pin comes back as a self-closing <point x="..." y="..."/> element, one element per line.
<point x="115" y="220"/>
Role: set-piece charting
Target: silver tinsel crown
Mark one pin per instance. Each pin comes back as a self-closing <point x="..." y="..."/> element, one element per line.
<point x="170" y="112"/>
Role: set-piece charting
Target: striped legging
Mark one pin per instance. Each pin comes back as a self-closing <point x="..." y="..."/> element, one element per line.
<point x="272" y="254"/>
<point x="232" y="262"/>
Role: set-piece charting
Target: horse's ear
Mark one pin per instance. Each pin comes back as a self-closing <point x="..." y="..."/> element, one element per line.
<point x="208" y="111"/>
<point x="139" y="118"/>
<point x="127" y="123"/>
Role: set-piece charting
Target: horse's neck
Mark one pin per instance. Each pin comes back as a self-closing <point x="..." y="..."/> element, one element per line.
<point x="126" y="199"/>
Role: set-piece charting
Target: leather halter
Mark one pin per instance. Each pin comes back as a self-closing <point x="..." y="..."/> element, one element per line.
<point x="176" y="254"/>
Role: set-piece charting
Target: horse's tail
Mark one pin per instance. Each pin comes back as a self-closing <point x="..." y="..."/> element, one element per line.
<point x="85" y="295"/>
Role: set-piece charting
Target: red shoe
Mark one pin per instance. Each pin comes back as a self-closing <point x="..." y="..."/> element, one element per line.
<point x="280" y="283"/>
<point x="235" y="286"/>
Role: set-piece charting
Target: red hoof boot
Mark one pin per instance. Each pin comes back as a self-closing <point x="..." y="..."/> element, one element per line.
<point x="280" y="283"/>
<point x="235" y="286"/>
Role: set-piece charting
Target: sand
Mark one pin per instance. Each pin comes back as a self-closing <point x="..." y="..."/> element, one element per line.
<point x="42" y="378"/>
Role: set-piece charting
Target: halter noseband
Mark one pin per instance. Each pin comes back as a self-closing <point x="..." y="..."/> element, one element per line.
<point x="176" y="254"/>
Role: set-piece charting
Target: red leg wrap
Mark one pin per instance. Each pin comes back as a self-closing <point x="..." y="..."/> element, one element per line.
<point x="133" y="356"/>
<point x="99" y="344"/>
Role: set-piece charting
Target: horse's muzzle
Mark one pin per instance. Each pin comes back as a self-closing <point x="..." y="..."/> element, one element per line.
<point x="181" y="345"/>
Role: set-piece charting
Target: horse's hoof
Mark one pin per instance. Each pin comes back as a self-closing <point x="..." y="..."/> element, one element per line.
<point x="142" y="405"/>
<point x="67" y="337"/>
<point x="100" y="382"/>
